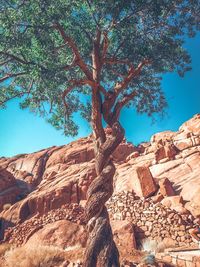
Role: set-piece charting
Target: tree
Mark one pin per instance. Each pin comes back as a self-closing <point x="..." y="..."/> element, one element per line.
<point x="93" y="57"/>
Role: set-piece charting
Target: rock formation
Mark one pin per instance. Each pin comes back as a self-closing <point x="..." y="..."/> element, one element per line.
<point x="156" y="187"/>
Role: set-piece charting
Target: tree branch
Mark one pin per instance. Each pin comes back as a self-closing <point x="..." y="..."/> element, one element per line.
<point x="20" y="60"/>
<point x="88" y="34"/>
<point x="11" y="75"/>
<point x="71" y="65"/>
<point x="118" y="48"/>
<point x="96" y="58"/>
<point x="94" y="18"/>
<point x="102" y="90"/>
<point x="132" y="73"/>
<point x="111" y="97"/>
<point x="12" y="97"/>
<point x="114" y="61"/>
<point x="117" y="23"/>
<point x="14" y="57"/>
<point x="71" y="87"/>
<point x="70" y="42"/>
<point x="19" y="94"/>
<point x="105" y="45"/>
<point x="118" y="107"/>
<point x="5" y="62"/>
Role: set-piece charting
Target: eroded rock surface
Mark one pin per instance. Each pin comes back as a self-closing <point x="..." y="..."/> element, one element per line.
<point x="9" y="189"/>
<point x="164" y="171"/>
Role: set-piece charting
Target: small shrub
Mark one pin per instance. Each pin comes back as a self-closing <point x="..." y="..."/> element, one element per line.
<point x="33" y="255"/>
<point x="149" y="245"/>
<point x="149" y="259"/>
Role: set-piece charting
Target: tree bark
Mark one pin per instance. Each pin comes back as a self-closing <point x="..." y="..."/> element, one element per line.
<point x="101" y="250"/>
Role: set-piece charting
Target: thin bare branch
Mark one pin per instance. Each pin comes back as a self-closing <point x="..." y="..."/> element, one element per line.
<point x="118" y="74"/>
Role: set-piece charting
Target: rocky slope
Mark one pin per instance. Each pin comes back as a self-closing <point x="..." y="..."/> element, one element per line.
<point x="164" y="171"/>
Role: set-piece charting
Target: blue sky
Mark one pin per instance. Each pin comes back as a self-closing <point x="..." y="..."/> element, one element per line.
<point x="23" y="132"/>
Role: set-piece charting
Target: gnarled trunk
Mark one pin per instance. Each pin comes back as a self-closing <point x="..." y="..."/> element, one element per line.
<point x="101" y="250"/>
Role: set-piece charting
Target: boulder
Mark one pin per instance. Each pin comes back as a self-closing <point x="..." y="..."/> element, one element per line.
<point x="123" y="151"/>
<point x="167" y="151"/>
<point x="142" y="182"/>
<point x="157" y="198"/>
<point x="166" y="188"/>
<point x="124" y="235"/>
<point x="172" y="201"/>
<point x="175" y="203"/>
<point x="194" y="205"/>
<point x="63" y="233"/>
<point x="182" y="144"/>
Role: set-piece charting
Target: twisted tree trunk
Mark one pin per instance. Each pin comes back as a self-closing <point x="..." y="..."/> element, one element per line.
<point x="101" y="250"/>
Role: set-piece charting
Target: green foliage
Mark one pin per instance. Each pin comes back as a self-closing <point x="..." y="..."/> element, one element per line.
<point x="137" y="29"/>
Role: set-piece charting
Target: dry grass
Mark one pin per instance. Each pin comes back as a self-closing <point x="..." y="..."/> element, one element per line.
<point x="3" y="248"/>
<point x="7" y="206"/>
<point x="34" y="255"/>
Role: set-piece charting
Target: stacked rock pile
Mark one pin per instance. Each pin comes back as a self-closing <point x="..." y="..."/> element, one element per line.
<point x="23" y="231"/>
<point x="153" y="220"/>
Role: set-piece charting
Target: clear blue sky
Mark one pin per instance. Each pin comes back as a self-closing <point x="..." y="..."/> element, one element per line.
<point x="23" y="132"/>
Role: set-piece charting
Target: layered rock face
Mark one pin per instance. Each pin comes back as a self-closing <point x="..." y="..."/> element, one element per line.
<point x="9" y="189"/>
<point x="164" y="170"/>
<point x="54" y="176"/>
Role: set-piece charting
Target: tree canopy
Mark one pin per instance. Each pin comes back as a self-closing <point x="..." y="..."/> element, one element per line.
<point x="46" y="53"/>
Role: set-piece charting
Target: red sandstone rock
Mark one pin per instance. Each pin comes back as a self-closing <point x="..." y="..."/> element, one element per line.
<point x="166" y="188"/>
<point x="167" y="150"/>
<point x="60" y="175"/>
<point x="194" y="204"/>
<point x="142" y="182"/>
<point x="124" y="235"/>
<point x="175" y="203"/>
<point x="192" y="125"/>
<point x="9" y="190"/>
<point x="63" y="233"/>
<point x="162" y="137"/>
<point x="172" y="201"/>
<point x="135" y="154"/>
<point x="157" y="198"/>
